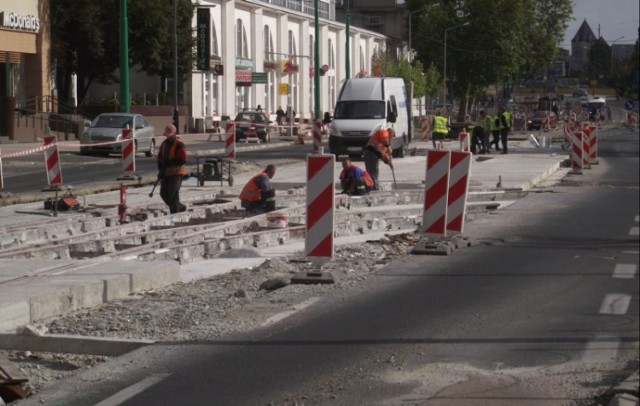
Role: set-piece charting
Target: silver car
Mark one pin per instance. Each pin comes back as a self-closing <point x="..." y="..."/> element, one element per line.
<point x="106" y="130"/>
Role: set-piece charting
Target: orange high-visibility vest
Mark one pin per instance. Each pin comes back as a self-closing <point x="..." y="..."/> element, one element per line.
<point x="173" y="170"/>
<point x="251" y="192"/>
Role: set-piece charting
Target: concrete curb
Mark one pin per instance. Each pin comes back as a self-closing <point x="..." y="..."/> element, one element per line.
<point x="626" y="392"/>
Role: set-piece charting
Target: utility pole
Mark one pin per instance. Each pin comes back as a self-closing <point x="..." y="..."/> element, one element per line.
<point x="125" y="100"/>
<point x="176" y="115"/>
<point x="347" y="62"/>
<point x="316" y="62"/>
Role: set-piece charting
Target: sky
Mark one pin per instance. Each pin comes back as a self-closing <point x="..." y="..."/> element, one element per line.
<point x="616" y="18"/>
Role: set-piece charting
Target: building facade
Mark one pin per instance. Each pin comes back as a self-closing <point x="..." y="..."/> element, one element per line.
<point x="25" y="71"/>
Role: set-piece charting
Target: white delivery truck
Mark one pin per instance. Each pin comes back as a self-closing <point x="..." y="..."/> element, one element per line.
<point x="364" y="106"/>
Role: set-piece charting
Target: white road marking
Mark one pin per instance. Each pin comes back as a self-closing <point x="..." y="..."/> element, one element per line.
<point x="634" y="231"/>
<point x="615" y="303"/>
<point x="625" y="271"/>
<point x="283" y="315"/>
<point x="601" y="350"/>
<point x="129" y="392"/>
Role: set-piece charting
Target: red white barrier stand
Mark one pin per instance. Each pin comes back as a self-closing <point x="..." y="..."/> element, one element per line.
<point x="317" y="137"/>
<point x="230" y="139"/>
<point x="128" y="154"/>
<point x="586" y="146"/>
<point x="320" y="211"/>
<point x="593" y="145"/>
<point x="425" y="126"/>
<point x="464" y="140"/>
<point x="459" y="174"/>
<point x="320" y="216"/>
<point x="435" y="192"/>
<point x="576" y="153"/>
<point x="52" y="162"/>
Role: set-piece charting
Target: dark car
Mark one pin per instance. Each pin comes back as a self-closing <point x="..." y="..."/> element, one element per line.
<point x="536" y="121"/>
<point x="251" y="124"/>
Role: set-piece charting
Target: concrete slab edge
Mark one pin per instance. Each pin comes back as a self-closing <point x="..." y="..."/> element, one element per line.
<point x="60" y="343"/>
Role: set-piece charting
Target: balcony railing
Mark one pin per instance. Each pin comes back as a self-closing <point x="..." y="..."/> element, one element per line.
<point x="326" y="10"/>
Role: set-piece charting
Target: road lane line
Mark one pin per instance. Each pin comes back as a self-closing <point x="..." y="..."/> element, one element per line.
<point x="130" y="391"/>
<point x="625" y="271"/>
<point x="283" y="315"/>
<point x="615" y="303"/>
<point x="601" y="350"/>
<point x="634" y="231"/>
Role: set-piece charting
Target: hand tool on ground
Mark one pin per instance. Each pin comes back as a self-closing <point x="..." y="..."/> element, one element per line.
<point x="154" y="187"/>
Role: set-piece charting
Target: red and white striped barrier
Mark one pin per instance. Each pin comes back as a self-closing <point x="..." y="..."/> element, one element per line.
<point x="1" y="178"/>
<point x="52" y="162"/>
<point x="465" y="145"/>
<point x="586" y="146"/>
<point x="593" y="145"/>
<point x="459" y="174"/>
<point x="317" y="137"/>
<point x="436" y="182"/>
<point x="230" y="139"/>
<point x="425" y="127"/>
<point x="576" y="153"/>
<point x="128" y="152"/>
<point x="320" y="208"/>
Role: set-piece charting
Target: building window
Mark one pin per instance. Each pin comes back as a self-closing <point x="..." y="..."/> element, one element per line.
<point x="270" y="87"/>
<point x="243" y="93"/>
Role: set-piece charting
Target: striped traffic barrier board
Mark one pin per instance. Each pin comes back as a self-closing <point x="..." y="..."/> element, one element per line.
<point x="128" y="152"/>
<point x="52" y="161"/>
<point x="593" y="145"/>
<point x="435" y="192"/>
<point x="459" y="174"/>
<point x="576" y="153"/>
<point x="230" y="139"/>
<point x="464" y="140"/>
<point x="320" y="210"/>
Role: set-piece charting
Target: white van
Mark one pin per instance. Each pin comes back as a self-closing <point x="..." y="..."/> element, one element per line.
<point x="364" y="105"/>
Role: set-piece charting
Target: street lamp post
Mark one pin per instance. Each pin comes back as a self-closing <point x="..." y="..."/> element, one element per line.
<point x="444" y="73"/>
<point x="176" y="115"/>
<point x="612" y="44"/>
<point x="410" y="58"/>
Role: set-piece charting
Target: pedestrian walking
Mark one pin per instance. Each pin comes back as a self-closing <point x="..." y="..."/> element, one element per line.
<point x="258" y="196"/>
<point x="172" y="157"/>
<point x="378" y="148"/>
<point x="495" y="132"/>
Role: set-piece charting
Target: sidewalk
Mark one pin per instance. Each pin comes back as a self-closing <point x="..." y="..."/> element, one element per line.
<point x="87" y="283"/>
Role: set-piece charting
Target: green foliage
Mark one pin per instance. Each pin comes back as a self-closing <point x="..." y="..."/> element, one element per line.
<point x="502" y="40"/>
<point x="86" y="39"/>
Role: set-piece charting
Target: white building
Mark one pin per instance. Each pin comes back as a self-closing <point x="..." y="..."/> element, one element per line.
<point x="272" y="41"/>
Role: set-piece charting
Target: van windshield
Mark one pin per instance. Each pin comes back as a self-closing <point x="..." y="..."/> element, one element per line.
<point x="359" y="109"/>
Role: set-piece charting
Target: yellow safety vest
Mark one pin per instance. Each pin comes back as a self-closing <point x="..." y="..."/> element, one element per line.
<point x="440" y="125"/>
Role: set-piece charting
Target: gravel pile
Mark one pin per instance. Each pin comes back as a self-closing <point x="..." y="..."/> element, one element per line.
<point x="208" y="308"/>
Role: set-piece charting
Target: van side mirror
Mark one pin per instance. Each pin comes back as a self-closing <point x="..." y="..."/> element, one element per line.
<point x="391" y="117"/>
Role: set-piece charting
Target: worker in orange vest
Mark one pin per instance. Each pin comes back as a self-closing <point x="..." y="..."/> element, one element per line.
<point x="378" y="148"/>
<point x="257" y="195"/>
<point x="354" y="180"/>
<point x="172" y="157"/>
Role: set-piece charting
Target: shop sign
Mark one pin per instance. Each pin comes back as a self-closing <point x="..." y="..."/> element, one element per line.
<point x="269" y="66"/>
<point x="243" y="63"/>
<point x="202" y="40"/>
<point x="243" y="77"/>
<point x="19" y="22"/>
<point x="259" y="77"/>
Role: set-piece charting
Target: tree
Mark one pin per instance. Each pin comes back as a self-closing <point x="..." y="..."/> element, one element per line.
<point x="503" y="39"/>
<point x="85" y="40"/>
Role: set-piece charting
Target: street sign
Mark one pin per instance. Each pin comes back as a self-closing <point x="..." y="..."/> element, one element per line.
<point x="283" y="89"/>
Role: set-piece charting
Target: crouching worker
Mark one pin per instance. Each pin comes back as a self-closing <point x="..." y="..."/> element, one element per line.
<point x="355" y="180"/>
<point x="257" y="195"/>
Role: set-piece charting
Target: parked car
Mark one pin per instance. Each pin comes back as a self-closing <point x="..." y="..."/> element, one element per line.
<point x="106" y="130"/>
<point x="252" y="120"/>
<point x="537" y="120"/>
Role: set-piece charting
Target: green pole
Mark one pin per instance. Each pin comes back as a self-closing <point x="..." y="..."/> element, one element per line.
<point x="316" y="64"/>
<point x="125" y="102"/>
<point x="347" y="62"/>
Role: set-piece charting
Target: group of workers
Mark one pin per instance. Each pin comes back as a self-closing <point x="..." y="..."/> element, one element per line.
<point x="258" y="195"/>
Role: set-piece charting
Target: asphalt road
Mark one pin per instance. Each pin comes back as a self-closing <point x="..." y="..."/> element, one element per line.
<point x="542" y="310"/>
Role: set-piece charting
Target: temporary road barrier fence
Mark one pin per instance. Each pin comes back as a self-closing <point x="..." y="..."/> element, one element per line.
<point x="459" y="174"/>
<point x="52" y="162"/>
<point x="435" y="192"/>
<point x="464" y="140"/>
<point x="576" y="153"/>
<point x="593" y="145"/>
<point x="128" y="152"/>
<point x="586" y="146"/>
<point x="230" y="139"/>
<point x="317" y="137"/>
<point x="425" y="126"/>
<point x="320" y="208"/>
